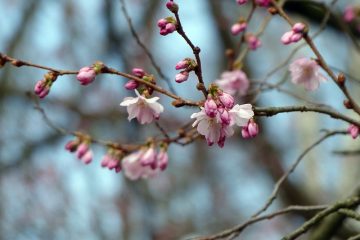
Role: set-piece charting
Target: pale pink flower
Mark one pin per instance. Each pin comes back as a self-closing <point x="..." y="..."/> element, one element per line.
<point x="306" y="71"/>
<point x="234" y="82"/>
<point x="145" y="110"/>
<point x="354" y="131"/>
<point x="238" y="28"/>
<point x="133" y="168"/>
<point x="86" y="75"/>
<point x="349" y="14"/>
<point x="241" y="114"/>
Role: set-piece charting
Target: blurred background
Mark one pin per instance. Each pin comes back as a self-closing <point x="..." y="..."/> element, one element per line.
<point x="46" y="193"/>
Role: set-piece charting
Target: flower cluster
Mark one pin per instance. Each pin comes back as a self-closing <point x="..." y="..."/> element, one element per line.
<point x="140" y="73"/>
<point x="145" y="163"/>
<point x="112" y="160"/>
<point x="167" y="25"/>
<point x="82" y="149"/>
<point x="86" y="75"/>
<point x="42" y="87"/>
<point x="234" y="82"/>
<point x="216" y="119"/>
<point x="354" y="131"/>
<point x="187" y="65"/>
<point x="144" y="109"/>
<point x="295" y="34"/>
<point x="306" y="71"/>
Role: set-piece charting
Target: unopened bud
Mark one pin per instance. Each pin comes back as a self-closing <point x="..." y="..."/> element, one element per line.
<point x="348" y="104"/>
<point x="341" y="79"/>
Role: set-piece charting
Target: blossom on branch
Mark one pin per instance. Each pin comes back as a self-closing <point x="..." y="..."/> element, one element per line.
<point x="145" y="110"/>
<point x="86" y="75"/>
<point x="354" y="131"/>
<point x="234" y="82"/>
<point x="306" y="71"/>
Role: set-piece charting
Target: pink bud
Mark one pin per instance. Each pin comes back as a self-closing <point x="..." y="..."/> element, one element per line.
<point x="139" y="72"/>
<point x="298" y="27"/>
<point x="227" y="100"/>
<point x="182" y="64"/>
<point x="296" y="37"/>
<point x="286" y="38"/>
<point x="210" y="107"/>
<point x="71" y="146"/>
<point x="131" y="85"/>
<point x="118" y="168"/>
<point x="349" y="14"/>
<point x="163" y="32"/>
<point x="162" y="159"/>
<point x="238" y="28"/>
<point x="225" y="117"/>
<point x="354" y="131"/>
<point x="245" y="133"/>
<point x="162" y="23"/>
<point x="39" y="86"/>
<point x="44" y="92"/>
<point x="253" y="128"/>
<point x="86" y="75"/>
<point x="82" y="149"/>
<point x="170" y="27"/>
<point x="253" y="42"/>
<point x="105" y="161"/>
<point x="263" y="3"/>
<point x="173" y="7"/>
<point x="148" y="158"/>
<point x="182" y="76"/>
<point x="113" y="163"/>
<point x="87" y="158"/>
<point x="240" y="2"/>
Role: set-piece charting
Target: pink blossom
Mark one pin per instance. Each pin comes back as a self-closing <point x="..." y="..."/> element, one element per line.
<point x="144" y="109"/>
<point x="263" y="3"/>
<point x="306" y="72"/>
<point x="240" y="2"/>
<point x="182" y="76"/>
<point x="238" y="28"/>
<point x="82" y="150"/>
<point x="167" y="25"/>
<point x="149" y="158"/>
<point x="162" y="159"/>
<point x="296" y="37"/>
<point x="298" y="27"/>
<point x="86" y="75"/>
<point x="139" y="72"/>
<point x="286" y="38"/>
<point x="253" y="42"/>
<point x="72" y="146"/>
<point x="210" y="107"/>
<point x="349" y="14"/>
<point x="173" y="7"/>
<point x="133" y="168"/>
<point x="226" y="99"/>
<point x="234" y="82"/>
<point x="87" y="157"/>
<point x="225" y="117"/>
<point x="354" y="131"/>
<point x="251" y="130"/>
<point x="111" y="163"/>
<point x="42" y="88"/>
<point x="131" y="85"/>
<point x="182" y="64"/>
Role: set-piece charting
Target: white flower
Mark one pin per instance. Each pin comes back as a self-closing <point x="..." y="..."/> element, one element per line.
<point x="241" y="114"/>
<point x="306" y="72"/>
<point x="144" y="109"/>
